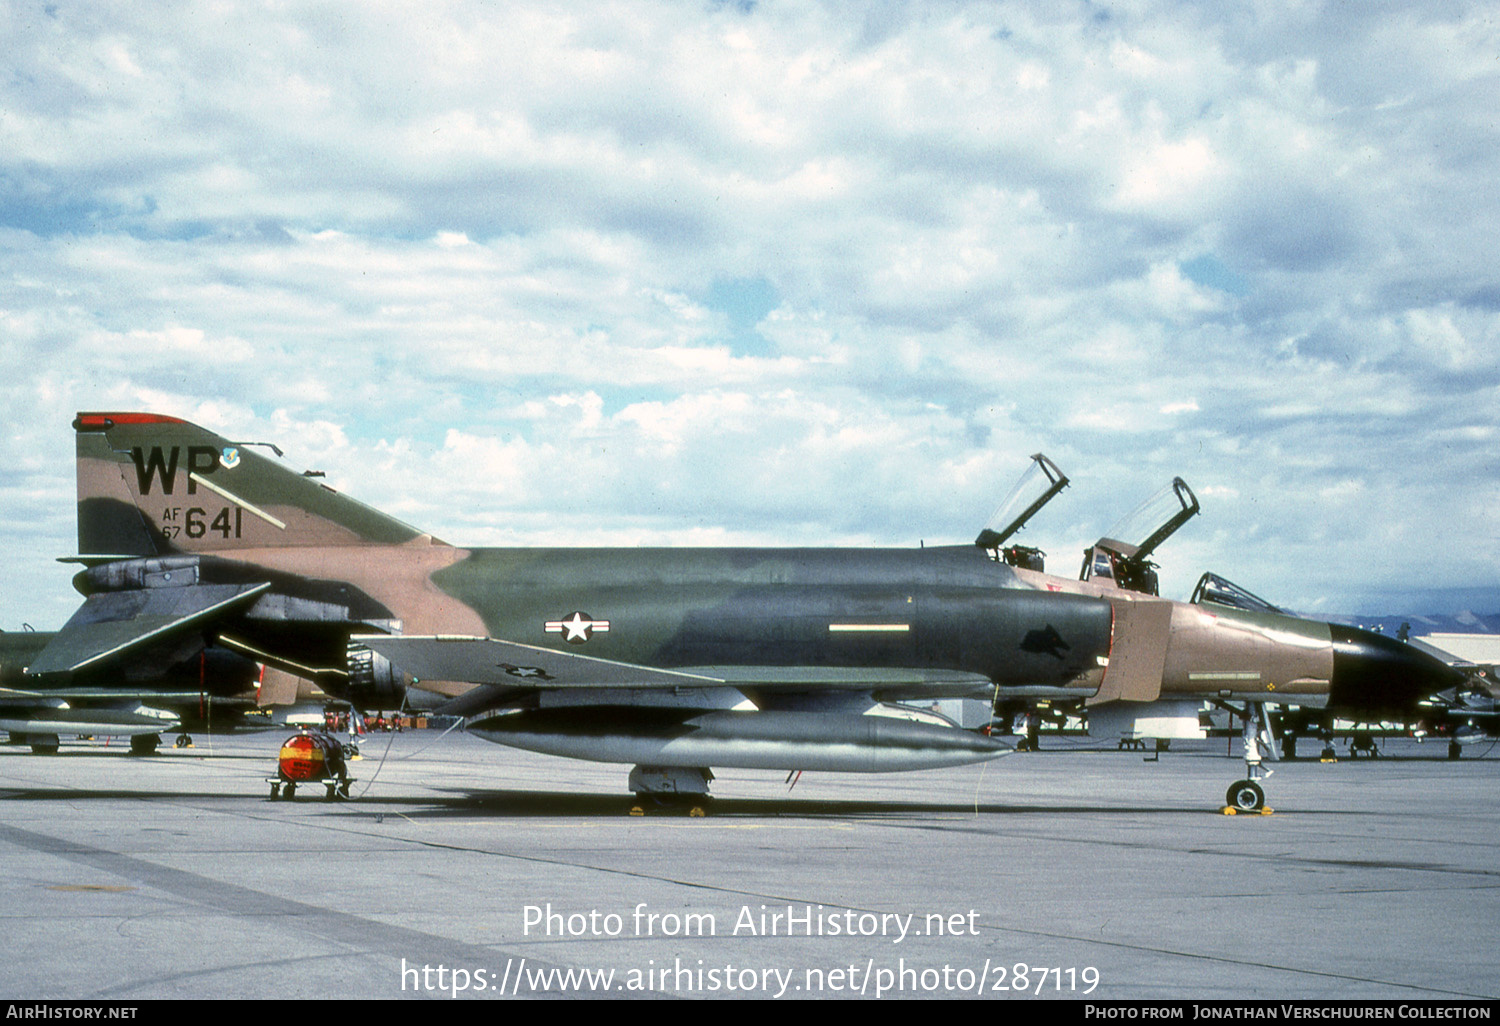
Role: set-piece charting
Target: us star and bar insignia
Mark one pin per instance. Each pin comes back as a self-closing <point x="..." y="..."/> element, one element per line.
<point x="526" y="672"/>
<point x="577" y="627"/>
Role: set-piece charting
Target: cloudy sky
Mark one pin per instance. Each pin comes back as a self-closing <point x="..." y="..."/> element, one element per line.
<point x="778" y="273"/>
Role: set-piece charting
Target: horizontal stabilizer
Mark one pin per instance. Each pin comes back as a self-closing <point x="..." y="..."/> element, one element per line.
<point x="111" y="624"/>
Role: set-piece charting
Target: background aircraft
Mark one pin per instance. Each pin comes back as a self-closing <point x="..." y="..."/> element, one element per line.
<point x="142" y="695"/>
<point x="139" y="698"/>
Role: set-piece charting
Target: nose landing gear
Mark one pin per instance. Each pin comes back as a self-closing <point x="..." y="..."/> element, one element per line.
<point x="1248" y="796"/>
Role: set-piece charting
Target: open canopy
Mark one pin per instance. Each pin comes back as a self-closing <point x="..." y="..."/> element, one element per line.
<point x="1033" y="490"/>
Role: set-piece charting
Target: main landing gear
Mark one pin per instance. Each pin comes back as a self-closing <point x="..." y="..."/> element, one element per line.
<point x="43" y="744"/>
<point x="671" y="790"/>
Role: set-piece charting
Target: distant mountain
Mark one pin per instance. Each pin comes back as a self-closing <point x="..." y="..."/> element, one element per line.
<point x="1434" y="602"/>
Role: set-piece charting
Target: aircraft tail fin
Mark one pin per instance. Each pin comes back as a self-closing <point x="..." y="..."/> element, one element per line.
<point x="153" y="485"/>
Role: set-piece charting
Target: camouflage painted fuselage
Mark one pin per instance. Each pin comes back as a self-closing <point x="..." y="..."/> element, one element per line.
<point x="290" y="569"/>
<point x="932" y="623"/>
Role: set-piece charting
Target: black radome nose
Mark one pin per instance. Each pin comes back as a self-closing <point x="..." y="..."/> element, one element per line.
<point x="1376" y="676"/>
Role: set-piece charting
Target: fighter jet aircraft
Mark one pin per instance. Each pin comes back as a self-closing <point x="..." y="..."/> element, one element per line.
<point x="1226" y="645"/>
<point x="675" y="660"/>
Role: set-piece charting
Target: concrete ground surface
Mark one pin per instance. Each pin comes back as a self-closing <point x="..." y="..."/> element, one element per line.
<point x="466" y="869"/>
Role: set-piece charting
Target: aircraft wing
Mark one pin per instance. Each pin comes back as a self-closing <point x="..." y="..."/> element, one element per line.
<point x="512" y="664"/>
<point x="501" y="667"/>
<point x="110" y="624"/>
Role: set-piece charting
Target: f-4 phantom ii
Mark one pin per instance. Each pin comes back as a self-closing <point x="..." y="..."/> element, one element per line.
<point x="674" y="660"/>
<point x="1225" y="646"/>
